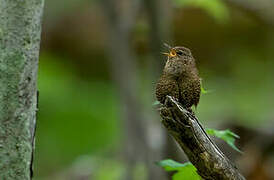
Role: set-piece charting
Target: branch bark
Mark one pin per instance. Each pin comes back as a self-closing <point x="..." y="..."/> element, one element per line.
<point x="210" y="162"/>
<point x="20" y="29"/>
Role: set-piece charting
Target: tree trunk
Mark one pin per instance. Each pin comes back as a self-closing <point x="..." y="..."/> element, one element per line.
<point x="20" y="29"/>
<point x="159" y="32"/>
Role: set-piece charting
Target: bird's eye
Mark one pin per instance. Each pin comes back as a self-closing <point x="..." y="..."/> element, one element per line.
<point x="179" y="53"/>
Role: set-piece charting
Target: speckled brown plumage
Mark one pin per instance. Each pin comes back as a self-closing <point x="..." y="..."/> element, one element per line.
<point x="180" y="78"/>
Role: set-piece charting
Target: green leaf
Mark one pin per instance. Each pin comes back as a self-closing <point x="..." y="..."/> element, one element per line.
<point x="171" y="165"/>
<point x="215" y="8"/>
<point x="226" y="135"/>
<point x="156" y="103"/>
<point x="186" y="174"/>
<point x="185" y="171"/>
<point x="203" y="91"/>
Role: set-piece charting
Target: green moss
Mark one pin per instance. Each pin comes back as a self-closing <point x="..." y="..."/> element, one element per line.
<point x="17" y="93"/>
<point x="1" y="33"/>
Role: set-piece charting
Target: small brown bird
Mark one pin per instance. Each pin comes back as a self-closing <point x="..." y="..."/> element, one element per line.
<point x="180" y="78"/>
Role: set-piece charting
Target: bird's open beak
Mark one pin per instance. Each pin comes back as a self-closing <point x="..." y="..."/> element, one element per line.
<point x="167" y="46"/>
<point x="164" y="53"/>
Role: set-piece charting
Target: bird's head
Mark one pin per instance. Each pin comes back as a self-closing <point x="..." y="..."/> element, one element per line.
<point x="179" y="60"/>
<point x="177" y="52"/>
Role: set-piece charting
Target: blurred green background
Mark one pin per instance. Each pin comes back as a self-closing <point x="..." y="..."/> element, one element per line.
<point x="99" y="63"/>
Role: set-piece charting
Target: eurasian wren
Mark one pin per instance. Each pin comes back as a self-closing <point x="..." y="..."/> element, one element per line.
<point x="180" y="78"/>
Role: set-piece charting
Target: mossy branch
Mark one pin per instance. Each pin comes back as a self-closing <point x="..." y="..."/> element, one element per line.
<point x="185" y="128"/>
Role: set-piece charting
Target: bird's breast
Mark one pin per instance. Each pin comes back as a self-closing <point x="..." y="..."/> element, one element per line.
<point x="173" y="68"/>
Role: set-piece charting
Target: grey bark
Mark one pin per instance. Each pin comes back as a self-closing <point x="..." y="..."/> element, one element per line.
<point x="159" y="32"/>
<point x="185" y="128"/>
<point x="121" y="16"/>
<point x="20" y="29"/>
